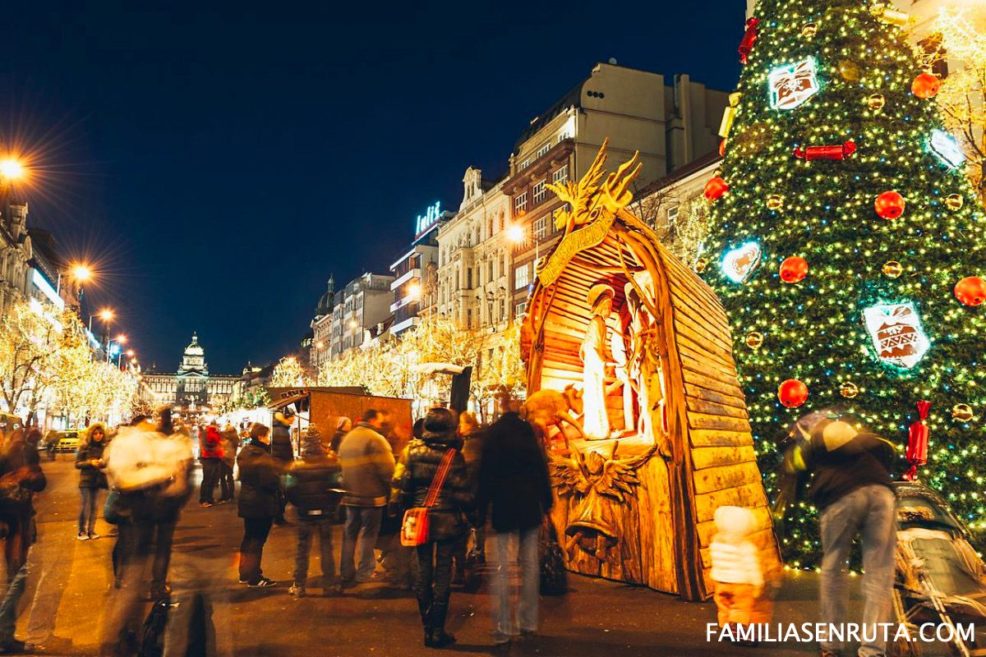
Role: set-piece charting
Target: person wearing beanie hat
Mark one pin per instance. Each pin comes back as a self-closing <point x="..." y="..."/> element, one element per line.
<point x="313" y="487"/>
<point x="420" y="463"/>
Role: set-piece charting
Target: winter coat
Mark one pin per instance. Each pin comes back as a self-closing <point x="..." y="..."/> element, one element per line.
<point x="735" y="558"/>
<point x="843" y="462"/>
<point x="337" y="440"/>
<point x="21" y="475"/>
<point x="230" y="443"/>
<point x="307" y="486"/>
<point x="90" y="476"/>
<point x="210" y="445"/>
<point x="420" y="462"/>
<point x="151" y="473"/>
<point x="260" y="481"/>
<point x="367" y="467"/>
<point x="513" y="476"/>
<point x="280" y="439"/>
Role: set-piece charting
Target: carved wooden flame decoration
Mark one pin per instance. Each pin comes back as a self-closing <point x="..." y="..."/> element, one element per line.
<point x="587" y="198"/>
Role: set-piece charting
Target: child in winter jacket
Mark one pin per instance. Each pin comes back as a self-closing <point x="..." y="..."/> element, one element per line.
<point x="737" y="571"/>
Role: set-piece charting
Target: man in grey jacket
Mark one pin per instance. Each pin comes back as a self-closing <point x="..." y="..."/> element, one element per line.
<point x="367" y="468"/>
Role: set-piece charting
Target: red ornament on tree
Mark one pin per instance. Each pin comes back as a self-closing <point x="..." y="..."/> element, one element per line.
<point x="715" y="188"/>
<point x="971" y="291"/>
<point x="836" y="152"/>
<point x="794" y="269"/>
<point x="917" y="442"/>
<point x="926" y="86"/>
<point x="792" y="393"/>
<point x="890" y="205"/>
<point x="749" y="39"/>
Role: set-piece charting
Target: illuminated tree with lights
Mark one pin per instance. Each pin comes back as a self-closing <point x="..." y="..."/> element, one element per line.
<point x="288" y="373"/>
<point x="847" y="246"/>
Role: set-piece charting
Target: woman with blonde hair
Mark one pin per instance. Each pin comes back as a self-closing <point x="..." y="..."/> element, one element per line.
<point x="90" y="464"/>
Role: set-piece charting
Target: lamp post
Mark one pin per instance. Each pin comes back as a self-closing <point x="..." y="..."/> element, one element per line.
<point x="77" y="272"/>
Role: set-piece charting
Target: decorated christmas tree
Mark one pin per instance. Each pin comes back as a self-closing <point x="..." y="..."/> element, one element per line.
<point x="847" y="246"/>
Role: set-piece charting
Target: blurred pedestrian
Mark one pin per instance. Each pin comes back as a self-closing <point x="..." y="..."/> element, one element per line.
<point x="20" y="478"/>
<point x="471" y="433"/>
<point x="211" y="457"/>
<point x="343" y="426"/>
<point x="313" y="486"/>
<point x="446" y="524"/>
<point x="282" y="449"/>
<point x="258" y="502"/>
<point x="737" y="572"/>
<point x="367" y="468"/>
<point x="230" y="445"/>
<point x="851" y="487"/>
<point x="89" y="461"/>
<point x="514" y="482"/>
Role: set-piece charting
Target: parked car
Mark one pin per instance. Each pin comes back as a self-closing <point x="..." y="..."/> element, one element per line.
<point x="68" y="440"/>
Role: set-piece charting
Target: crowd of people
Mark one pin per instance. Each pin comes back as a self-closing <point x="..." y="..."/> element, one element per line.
<point x="426" y="503"/>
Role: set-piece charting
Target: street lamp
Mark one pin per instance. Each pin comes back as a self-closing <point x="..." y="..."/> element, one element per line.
<point x="11" y="169"/>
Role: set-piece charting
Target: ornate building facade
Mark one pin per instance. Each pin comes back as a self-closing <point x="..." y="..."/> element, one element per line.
<point x="190" y="390"/>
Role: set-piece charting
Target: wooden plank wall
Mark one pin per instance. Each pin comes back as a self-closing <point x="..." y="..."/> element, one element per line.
<point x="725" y="471"/>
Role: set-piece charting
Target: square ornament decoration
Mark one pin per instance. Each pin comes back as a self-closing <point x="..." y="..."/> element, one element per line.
<point x="897" y="335"/>
<point x="739" y="264"/>
<point x="791" y="85"/>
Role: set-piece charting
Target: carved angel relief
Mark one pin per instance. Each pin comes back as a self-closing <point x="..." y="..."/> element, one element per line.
<point x="594" y="482"/>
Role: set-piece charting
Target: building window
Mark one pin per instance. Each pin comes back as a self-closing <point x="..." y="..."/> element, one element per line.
<point x="543" y="150"/>
<point x="521" y="277"/>
<point x="672" y="215"/>
<point x="560" y="175"/>
<point x="541" y="227"/>
<point x="469" y="278"/>
<point x="520" y="203"/>
<point x="526" y="163"/>
<point x="520" y="309"/>
<point x="539" y="192"/>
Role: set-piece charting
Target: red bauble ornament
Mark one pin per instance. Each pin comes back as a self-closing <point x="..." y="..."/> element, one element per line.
<point x="890" y="205"/>
<point x="792" y="393"/>
<point x="749" y="38"/>
<point x="926" y="85"/>
<point x="917" y="441"/>
<point x="715" y="188"/>
<point x="971" y="291"/>
<point x="794" y="269"/>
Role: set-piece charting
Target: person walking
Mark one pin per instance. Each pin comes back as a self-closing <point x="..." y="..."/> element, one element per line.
<point x="446" y="518"/>
<point x="514" y="485"/>
<point x="211" y="457"/>
<point x="20" y="478"/>
<point x="282" y="449"/>
<point x="312" y="486"/>
<point x="258" y="502"/>
<point x="343" y="426"/>
<point x="852" y="490"/>
<point x="90" y="464"/>
<point x="230" y="444"/>
<point x="471" y="433"/>
<point x="367" y="468"/>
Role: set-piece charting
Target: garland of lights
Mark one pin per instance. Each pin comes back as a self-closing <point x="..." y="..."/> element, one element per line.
<point x="850" y="247"/>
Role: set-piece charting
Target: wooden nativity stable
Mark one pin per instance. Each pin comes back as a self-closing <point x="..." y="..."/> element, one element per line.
<point x="663" y="437"/>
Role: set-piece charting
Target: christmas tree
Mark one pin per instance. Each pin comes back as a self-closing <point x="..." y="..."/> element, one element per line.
<point x="847" y="247"/>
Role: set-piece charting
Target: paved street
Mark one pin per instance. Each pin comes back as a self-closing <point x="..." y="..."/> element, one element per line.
<point x="595" y="619"/>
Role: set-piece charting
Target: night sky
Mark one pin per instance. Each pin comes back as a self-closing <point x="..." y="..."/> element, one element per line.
<point x="220" y="162"/>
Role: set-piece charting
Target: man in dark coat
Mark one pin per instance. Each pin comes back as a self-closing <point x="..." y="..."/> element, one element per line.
<point x="282" y="450"/>
<point x="20" y="478"/>
<point x="313" y="487"/>
<point x="260" y="485"/>
<point x="514" y="481"/>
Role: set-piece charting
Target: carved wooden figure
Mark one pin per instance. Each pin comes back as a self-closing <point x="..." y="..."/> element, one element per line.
<point x="636" y="501"/>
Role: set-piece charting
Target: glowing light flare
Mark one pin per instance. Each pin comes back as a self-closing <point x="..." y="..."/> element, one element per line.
<point x="516" y="233"/>
<point x="107" y="315"/>
<point x="81" y="273"/>
<point x="11" y="169"/>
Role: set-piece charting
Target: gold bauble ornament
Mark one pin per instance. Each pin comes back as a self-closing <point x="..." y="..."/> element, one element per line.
<point x="962" y="412"/>
<point x="876" y="102"/>
<point x="849" y="390"/>
<point x="754" y="339"/>
<point x="775" y="202"/>
<point x="892" y="269"/>
<point x="954" y="202"/>
<point x="850" y="70"/>
<point x="701" y="265"/>
<point x="809" y="30"/>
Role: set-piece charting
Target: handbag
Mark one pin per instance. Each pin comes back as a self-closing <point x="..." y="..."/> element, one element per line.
<point x="554" y="576"/>
<point x="414" y="527"/>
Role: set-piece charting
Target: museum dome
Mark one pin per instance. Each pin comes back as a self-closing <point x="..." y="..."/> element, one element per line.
<point x="327" y="300"/>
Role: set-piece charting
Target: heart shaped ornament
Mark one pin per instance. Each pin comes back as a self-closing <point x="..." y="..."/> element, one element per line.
<point x="739" y="264"/>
